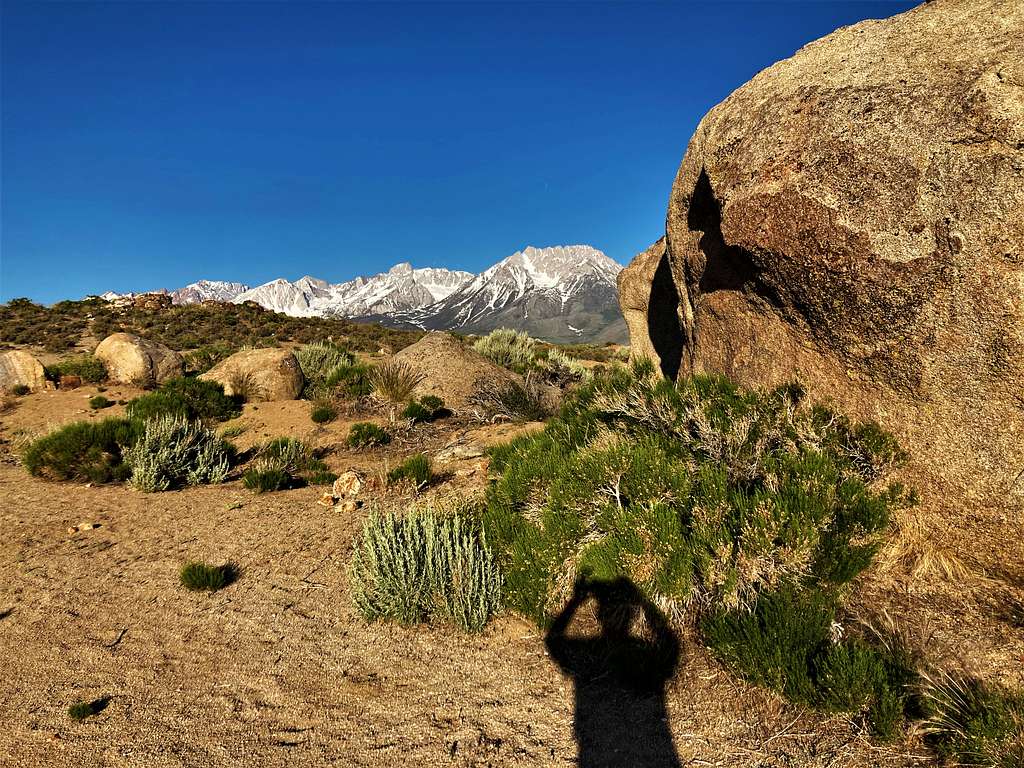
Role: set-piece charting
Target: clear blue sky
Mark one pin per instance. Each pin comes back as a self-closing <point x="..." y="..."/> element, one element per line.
<point x="149" y="144"/>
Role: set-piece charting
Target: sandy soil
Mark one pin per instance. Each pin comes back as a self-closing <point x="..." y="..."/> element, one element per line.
<point x="278" y="670"/>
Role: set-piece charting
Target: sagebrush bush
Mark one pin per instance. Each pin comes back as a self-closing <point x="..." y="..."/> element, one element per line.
<point x="319" y="360"/>
<point x="322" y="412"/>
<point x="88" y="452"/>
<point x="365" y="434"/>
<point x="426" y="408"/>
<point x="349" y="381"/>
<point x="510" y="400"/>
<point x="394" y="381"/>
<point x="187" y="397"/>
<point x="201" y="577"/>
<point x="561" y="369"/>
<point x="88" y="368"/>
<point x="510" y="349"/>
<point x="285" y="463"/>
<point x="422" y="566"/>
<point x="173" y="452"/>
<point x="973" y="722"/>
<point x="416" y="469"/>
<point x="99" y="402"/>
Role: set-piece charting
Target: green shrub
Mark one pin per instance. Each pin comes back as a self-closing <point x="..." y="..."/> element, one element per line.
<point x="974" y="723"/>
<point x="173" y="452"/>
<point x="698" y="492"/>
<point x="510" y="349"/>
<point x="351" y="381"/>
<point x="208" y="355"/>
<point x="186" y="397"/>
<point x="88" y="368"/>
<point x="83" y="451"/>
<point x="20" y="390"/>
<point x="510" y="400"/>
<point x="99" y="401"/>
<point x="416" y="469"/>
<point x="365" y="434"/>
<point x="319" y="360"/>
<point x="285" y="463"/>
<point x="80" y="710"/>
<point x="560" y="369"/>
<point x="424" y="566"/>
<point x="427" y="408"/>
<point x="321" y="413"/>
<point x="200" y="577"/>
<point x="394" y="381"/>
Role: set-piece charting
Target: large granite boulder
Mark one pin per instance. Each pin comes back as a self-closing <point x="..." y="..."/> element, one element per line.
<point x="131" y="359"/>
<point x="853" y="217"/>
<point x="20" y="369"/>
<point x="259" y="375"/>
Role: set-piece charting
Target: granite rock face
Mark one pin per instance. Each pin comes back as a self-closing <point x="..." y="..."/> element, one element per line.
<point x="131" y="359"/>
<point x="259" y="375"/>
<point x="853" y="218"/>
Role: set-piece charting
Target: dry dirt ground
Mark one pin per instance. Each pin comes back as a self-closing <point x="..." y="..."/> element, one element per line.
<point x="278" y="669"/>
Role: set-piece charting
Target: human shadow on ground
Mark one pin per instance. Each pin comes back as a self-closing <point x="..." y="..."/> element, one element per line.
<point x="620" y="678"/>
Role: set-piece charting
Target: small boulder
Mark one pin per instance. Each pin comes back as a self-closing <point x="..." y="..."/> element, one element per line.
<point x="131" y="359"/>
<point x="19" y="368"/>
<point x="259" y="375"/>
<point x="348" y="484"/>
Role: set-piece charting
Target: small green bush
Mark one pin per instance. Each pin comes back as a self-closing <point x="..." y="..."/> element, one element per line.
<point x="427" y="408"/>
<point x="350" y="381"/>
<point x="88" y="452"/>
<point x="510" y="349"/>
<point x="321" y="413"/>
<point x="20" y="390"/>
<point x="81" y="710"/>
<point x="88" y="368"/>
<point x="560" y="369"/>
<point x="99" y="401"/>
<point x="394" y="381"/>
<point x="365" y="434"/>
<point x="319" y="360"/>
<point x="265" y="476"/>
<point x="200" y="577"/>
<point x="173" y="452"/>
<point x="208" y="355"/>
<point x="186" y="397"/>
<point x="285" y="463"/>
<point x="424" y="566"/>
<point x="974" y="723"/>
<point x="416" y="469"/>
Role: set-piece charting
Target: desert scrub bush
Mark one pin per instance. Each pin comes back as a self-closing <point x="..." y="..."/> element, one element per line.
<point x="88" y="452"/>
<point x="201" y="577"/>
<point x="202" y="359"/>
<point x="425" y="565"/>
<point x="394" y="381"/>
<point x="80" y="710"/>
<point x="20" y="390"/>
<point x="244" y="386"/>
<point x="972" y="722"/>
<point x="426" y="408"/>
<point x="416" y="469"/>
<point x="349" y="381"/>
<point x="365" y="434"/>
<point x="187" y="397"/>
<point x="99" y="402"/>
<point x="510" y="349"/>
<point x="173" y="452"/>
<point x="88" y="368"/>
<point x="510" y="400"/>
<point x="702" y="494"/>
<point x="322" y="412"/>
<point x="319" y="360"/>
<point x="285" y="463"/>
<point x="561" y="370"/>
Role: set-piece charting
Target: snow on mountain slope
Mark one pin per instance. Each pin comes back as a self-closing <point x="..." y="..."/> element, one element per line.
<point x="207" y="290"/>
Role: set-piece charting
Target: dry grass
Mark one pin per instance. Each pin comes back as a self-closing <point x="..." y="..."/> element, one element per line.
<point x="912" y="549"/>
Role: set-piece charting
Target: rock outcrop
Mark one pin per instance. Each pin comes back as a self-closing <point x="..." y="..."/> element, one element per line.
<point x="259" y="375"/>
<point x="450" y="370"/>
<point x="650" y="304"/>
<point x="853" y="218"/>
<point x="18" y="368"/>
<point x="131" y="359"/>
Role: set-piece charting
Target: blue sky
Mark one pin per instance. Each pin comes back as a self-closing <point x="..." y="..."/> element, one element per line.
<point x="149" y="144"/>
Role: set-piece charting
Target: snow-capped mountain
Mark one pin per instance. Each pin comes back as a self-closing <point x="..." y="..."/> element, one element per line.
<point x="207" y="290"/>
<point x="562" y="293"/>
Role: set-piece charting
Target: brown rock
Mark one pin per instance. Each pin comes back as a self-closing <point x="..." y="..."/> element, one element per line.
<point x="451" y="371"/>
<point x="70" y="381"/>
<point x="348" y="484"/>
<point x="18" y="368"/>
<point x="853" y="217"/>
<point x="351" y="505"/>
<point x="131" y="359"/>
<point x="259" y="375"/>
<point x="650" y="304"/>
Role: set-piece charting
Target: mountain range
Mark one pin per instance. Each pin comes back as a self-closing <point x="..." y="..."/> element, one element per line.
<point x="561" y="294"/>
